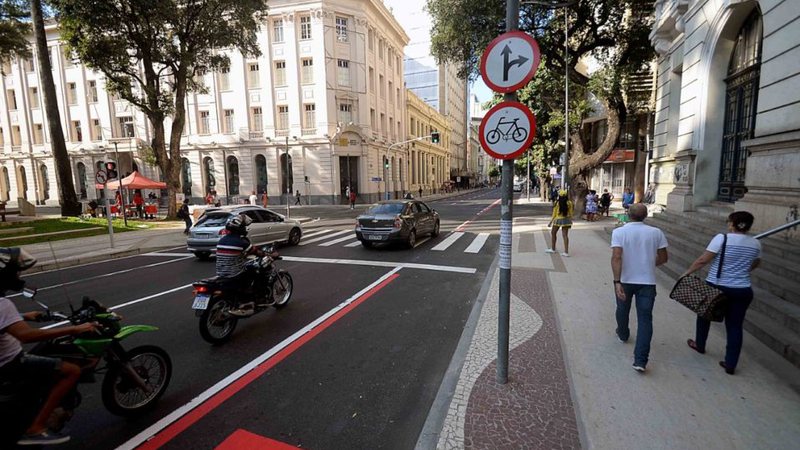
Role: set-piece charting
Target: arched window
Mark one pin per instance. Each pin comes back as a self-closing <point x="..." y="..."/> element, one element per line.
<point x="186" y="177"/>
<point x="45" y="182"/>
<point x="5" y="185"/>
<point x="134" y="166"/>
<point x="287" y="179"/>
<point x="741" y="97"/>
<point x="82" y="180"/>
<point x="208" y="174"/>
<point x="233" y="175"/>
<point x="261" y="174"/>
<point x="22" y="184"/>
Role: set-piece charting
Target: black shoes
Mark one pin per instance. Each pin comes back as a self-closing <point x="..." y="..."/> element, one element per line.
<point x="728" y="370"/>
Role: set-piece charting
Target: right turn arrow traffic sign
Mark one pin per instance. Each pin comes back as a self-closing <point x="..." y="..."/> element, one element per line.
<point x="510" y="61"/>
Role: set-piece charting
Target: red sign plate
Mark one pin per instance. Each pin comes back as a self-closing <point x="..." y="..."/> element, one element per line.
<point x="507" y="130"/>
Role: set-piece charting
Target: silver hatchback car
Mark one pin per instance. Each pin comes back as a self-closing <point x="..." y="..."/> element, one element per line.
<point x="267" y="227"/>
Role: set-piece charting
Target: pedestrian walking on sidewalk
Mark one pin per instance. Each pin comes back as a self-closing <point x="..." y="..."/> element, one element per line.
<point x="636" y="251"/>
<point x="742" y="256"/>
<point x="562" y="218"/>
<point x="298" y="198"/>
<point x="183" y="213"/>
<point x="420" y="192"/>
<point x="352" y="199"/>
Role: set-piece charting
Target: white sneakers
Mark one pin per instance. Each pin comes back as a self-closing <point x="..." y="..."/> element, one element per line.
<point x="565" y="254"/>
<point x="549" y="250"/>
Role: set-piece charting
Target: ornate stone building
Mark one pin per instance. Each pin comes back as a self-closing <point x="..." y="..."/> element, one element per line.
<point x="727" y="124"/>
<point x="315" y="113"/>
<point x="429" y="162"/>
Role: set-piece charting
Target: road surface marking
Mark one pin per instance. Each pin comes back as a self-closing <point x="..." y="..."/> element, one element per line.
<point x="442" y="246"/>
<point x="466" y="223"/>
<point x="163" y="431"/>
<point x="89" y="263"/>
<point x="327" y="236"/>
<point x="365" y="262"/>
<point x="477" y="243"/>
<point x="336" y="241"/>
<point x="110" y="274"/>
<point x="353" y="244"/>
<point x="243" y="439"/>
<point x="166" y="254"/>
<point x="315" y="233"/>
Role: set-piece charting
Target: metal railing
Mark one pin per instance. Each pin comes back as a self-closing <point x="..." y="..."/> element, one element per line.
<point x="778" y="229"/>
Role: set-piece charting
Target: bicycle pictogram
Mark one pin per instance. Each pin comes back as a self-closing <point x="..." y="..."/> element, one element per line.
<point x="512" y="131"/>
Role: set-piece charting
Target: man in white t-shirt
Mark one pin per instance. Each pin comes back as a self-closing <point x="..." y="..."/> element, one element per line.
<point x="636" y="251"/>
<point x="253" y="198"/>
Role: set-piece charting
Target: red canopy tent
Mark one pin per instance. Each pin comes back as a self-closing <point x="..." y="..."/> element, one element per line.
<point x="135" y="181"/>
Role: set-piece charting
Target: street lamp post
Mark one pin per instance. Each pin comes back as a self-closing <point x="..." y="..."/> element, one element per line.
<point x="288" y="186"/>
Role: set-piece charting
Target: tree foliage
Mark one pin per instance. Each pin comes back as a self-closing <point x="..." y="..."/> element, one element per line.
<point x="612" y="33"/>
<point x="15" y="28"/>
<point x="151" y="52"/>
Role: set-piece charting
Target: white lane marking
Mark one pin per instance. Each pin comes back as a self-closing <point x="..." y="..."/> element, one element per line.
<point x="353" y="244"/>
<point x="364" y="262"/>
<point x="92" y="263"/>
<point x="477" y="243"/>
<point x="336" y="241"/>
<point x="315" y="233"/>
<point x="132" y="302"/>
<point x="327" y="236"/>
<point x="442" y="246"/>
<point x="110" y="274"/>
<point x="172" y="417"/>
<point x="166" y="254"/>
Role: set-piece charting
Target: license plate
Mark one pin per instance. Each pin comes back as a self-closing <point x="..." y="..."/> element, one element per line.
<point x="375" y="237"/>
<point x="201" y="301"/>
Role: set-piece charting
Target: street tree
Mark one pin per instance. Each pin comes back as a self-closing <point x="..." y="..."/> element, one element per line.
<point x="613" y="33"/>
<point x="154" y="52"/>
<point x="14" y="30"/>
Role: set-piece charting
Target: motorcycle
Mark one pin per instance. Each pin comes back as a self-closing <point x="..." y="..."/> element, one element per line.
<point x="214" y="302"/>
<point x="134" y="379"/>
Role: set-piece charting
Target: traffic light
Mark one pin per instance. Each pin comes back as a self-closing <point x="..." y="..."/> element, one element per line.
<point x="111" y="170"/>
<point x="386" y="163"/>
<point x="435" y="137"/>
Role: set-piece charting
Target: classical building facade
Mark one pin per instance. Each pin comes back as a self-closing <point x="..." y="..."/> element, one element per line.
<point x="315" y="113"/>
<point x="727" y="124"/>
<point x="429" y="162"/>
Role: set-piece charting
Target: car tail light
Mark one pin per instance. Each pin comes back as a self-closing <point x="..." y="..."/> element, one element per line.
<point x="398" y="223"/>
<point x="202" y="289"/>
<point x="224" y="231"/>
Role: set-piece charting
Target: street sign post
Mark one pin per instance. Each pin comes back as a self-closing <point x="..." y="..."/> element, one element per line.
<point x="510" y="61"/>
<point x="507" y="130"/>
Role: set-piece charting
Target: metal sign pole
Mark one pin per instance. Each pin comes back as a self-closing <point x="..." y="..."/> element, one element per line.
<point x="506" y="218"/>
<point x="108" y="214"/>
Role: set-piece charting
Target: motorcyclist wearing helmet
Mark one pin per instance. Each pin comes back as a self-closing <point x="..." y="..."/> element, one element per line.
<point x="232" y="251"/>
<point x="16" y="365"/>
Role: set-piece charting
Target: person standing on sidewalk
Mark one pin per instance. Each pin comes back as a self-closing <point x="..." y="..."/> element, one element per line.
<point x="562" y="218"/>
<point x="742" y="256"/>
<point x="352" y="198"/>
<point x="253" y="199"/>
<point x="183" y="213"/>
<point x="636" y="251"/>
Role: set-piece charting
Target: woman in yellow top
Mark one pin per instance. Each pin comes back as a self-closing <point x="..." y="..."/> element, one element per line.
<point x="562" y="218"/>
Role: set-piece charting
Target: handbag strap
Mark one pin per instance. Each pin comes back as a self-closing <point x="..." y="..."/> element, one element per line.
<point x="722" y="256"/>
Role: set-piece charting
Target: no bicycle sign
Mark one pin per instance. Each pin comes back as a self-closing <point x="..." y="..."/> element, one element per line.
<point x="507" y="130"/>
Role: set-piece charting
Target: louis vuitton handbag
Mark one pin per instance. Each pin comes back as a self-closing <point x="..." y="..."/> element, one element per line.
<point x="707" y="301"/>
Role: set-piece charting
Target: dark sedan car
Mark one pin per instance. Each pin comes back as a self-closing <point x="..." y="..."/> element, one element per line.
<point x="396" y="220"/>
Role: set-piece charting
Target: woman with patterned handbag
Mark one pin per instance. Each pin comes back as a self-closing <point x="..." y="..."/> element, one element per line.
<point x="741" y="256"/>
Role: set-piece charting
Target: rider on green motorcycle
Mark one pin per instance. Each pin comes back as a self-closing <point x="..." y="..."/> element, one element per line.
<point x="15" y="364"/>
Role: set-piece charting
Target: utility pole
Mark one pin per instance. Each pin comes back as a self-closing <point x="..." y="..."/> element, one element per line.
<point x="119" y="181"/>
<point x="288" y="185"/>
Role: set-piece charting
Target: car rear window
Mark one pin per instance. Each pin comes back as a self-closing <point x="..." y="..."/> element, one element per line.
<point x="387" y="208"/>
<point x="213" y="220"/>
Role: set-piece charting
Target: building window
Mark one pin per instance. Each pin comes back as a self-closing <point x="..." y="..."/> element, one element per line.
<point x="310" y="115"/>
<point x="97" y="130"/>
<point x="371" y="39"/>
<point x="233" y="175"/>
<point x="382" y="87"/>
<point x="372" y="118"/>
<point x="341" y="29"/>
<point x="82" y="180"/>
<point x="92" y="91"/>
<point x="391" y="127"/>
<point x="225" y="79"/>
<point x="305" y="27"/>
<point x="34" y="97"/>
<point x="45" y="181"/>
<point x="253" y="78"/>
<point x="383" y="124"/>
<point x="77" y="133"/>
<point x="307" y="72"/>
<point x="391" y="88"/>
<point x="228" y="123"/>
<point x="343" y="72"/>
<point x="261" y="174"/>
<point x="257" y="119"/>
<point x="29" y="67"/>
<point x="277" y="30"/>
<point x="280" y="73"/>
<point x="72" y="93"/>
<point x="380" y="48"/>
<point x="345" y="111"/>
<point x="16" y="136"/>
<point x="2" y="138"/>
<point x="283" y="118"/>
<point x="390" y="58"/>
<point x="398" y="66"/>
<point x="204" y="126"/>
<point x="287" y="173"/>
<point x="38" y="134"/>
<point x="186" y="177"/>
<point x="208" y="173"/>
<point x="68" y="60"/>
<point x="371" y="79"/>
<point x="11" y="100"/>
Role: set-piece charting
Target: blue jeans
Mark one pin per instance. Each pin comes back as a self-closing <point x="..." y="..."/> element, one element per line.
<point x="738" y="301"/>
<point x="645" y="297"/>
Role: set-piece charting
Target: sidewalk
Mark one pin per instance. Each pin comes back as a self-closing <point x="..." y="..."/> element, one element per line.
<point x="571" y="384"/>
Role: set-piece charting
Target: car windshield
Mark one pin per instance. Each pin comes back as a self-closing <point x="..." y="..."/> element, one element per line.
<point x="213" y="220"/>
<point x="386" y="208"/>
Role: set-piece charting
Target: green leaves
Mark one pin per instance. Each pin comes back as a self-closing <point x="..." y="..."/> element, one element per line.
<point x="14" y="29"/>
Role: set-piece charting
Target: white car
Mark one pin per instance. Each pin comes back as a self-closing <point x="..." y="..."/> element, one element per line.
<point x="518" y="187"/>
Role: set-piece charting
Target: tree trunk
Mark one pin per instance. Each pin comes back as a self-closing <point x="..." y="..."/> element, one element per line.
<point x="70" y="206"/>
<point x="640" y="165"/>
<point x="178" y="122"/>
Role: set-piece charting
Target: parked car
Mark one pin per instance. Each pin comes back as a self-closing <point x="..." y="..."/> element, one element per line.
<point x="396" y="221"/>
<point x="518" y="186"/>
<point x="267" y="227"/>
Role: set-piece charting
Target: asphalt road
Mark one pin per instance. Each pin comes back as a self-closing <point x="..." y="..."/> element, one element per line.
<point x="354" y="361"/>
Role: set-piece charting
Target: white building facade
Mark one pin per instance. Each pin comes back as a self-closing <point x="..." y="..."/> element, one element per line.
<point x="727" y="123"/>
<point x="315" y="113"/>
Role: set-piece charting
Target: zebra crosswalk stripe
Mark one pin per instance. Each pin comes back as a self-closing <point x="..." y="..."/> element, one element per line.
<point x="336" y="241"/>
<point x="322" y="238"/>
<point x="353" y="244"/>
<point x="477" y="243"/>
<point x="445" y="244"/>
<point x="316" y="233"/>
